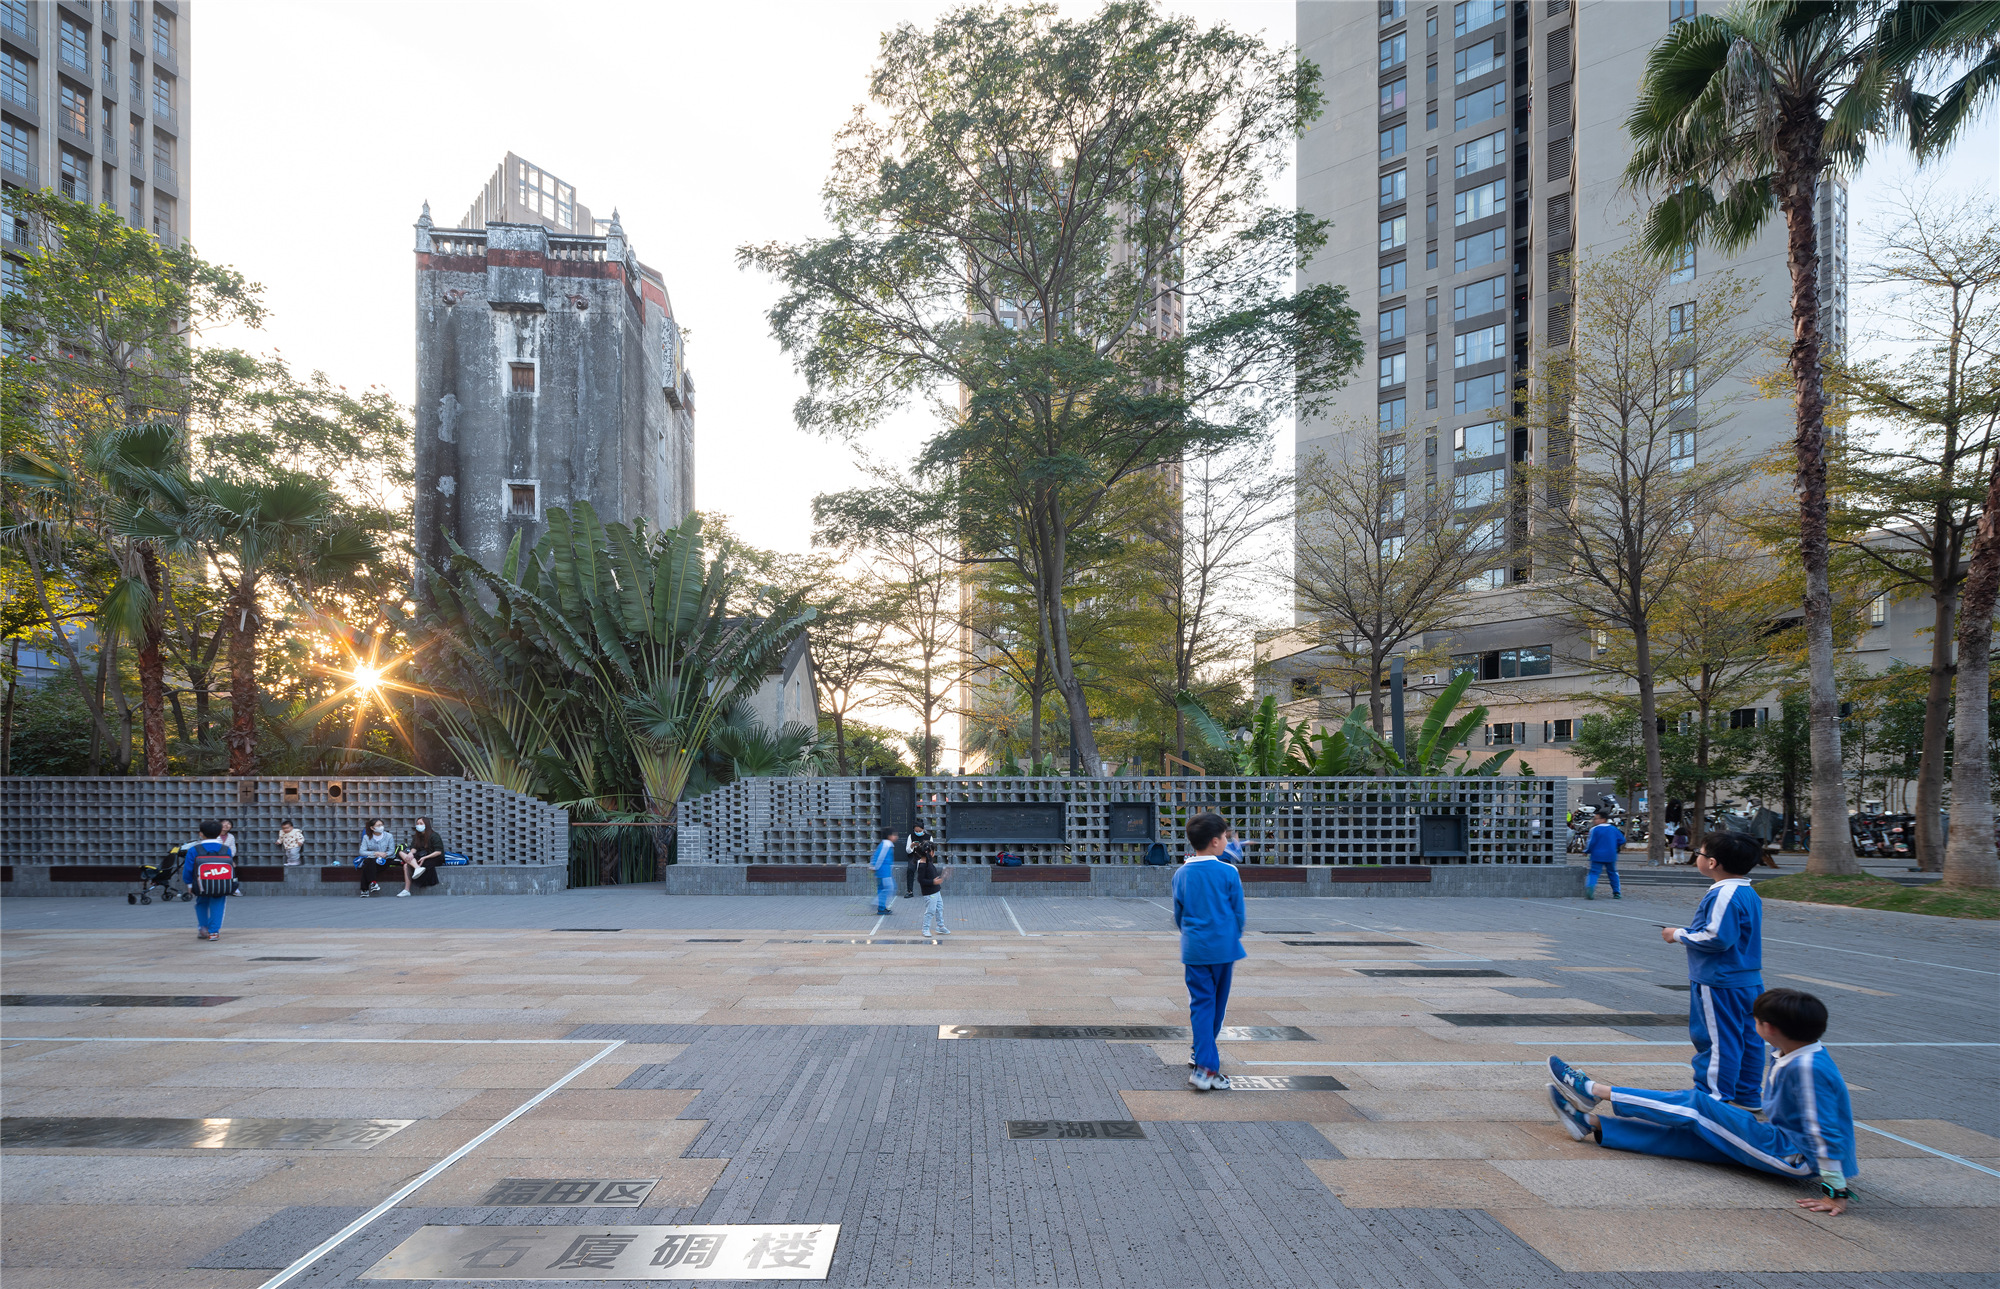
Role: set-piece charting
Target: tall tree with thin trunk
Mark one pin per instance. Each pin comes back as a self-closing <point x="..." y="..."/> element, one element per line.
<point x="1067" y="223"/>
<point x="1744" y="113"/>
<point x="1969" y="857"/>
<point x="1628" y="496"/>
<point x="1911" y="474"/>
<point x="850" y="653"/>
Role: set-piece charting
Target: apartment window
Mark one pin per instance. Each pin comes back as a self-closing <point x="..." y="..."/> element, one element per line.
<point x="1394" y="187"/>
<point x="163" y="35"/>
<point x="138" y="33"/>
<point x="1680" y="320"/>
<point x="138" y="77"/>
<point x="1471" y="442"/>
<point x="1394" y="142"/>
<point x="1389" y="12"/>
<point x="104" y="122"/>
<point x="1481" y="393"/>
<point x="1680" y="390"/>
<point x="1391" y="416"/>
<point x="106" y="12"/>
<point x="1475" y="14"/>
<point x="15" y="78"/>
<point x="1480" y="488"/>
<point x="1392" y="506"/>
<point x="1393" y="52"/>
<point x="1431" y="258"/>
<point x="1482" y="202"/>
<point x="1479" y="346"/>
<point x="1393" y="455"/>
<point x="1679" y="11"/>
<point x="1680" y="449"/>
<point x="1391" y="549"/>
<point x="1475" y="298"/>
<point x="136" y="212"/>
<point x="523" y="377"/>
<point x="1683" y="270"/>
<point x="15" y="148"/>
<point x="1490" y="580"/>
<point x="73" y="44"/>
<point x="1561" y="731"/>
<point x="1505" y="664"/>
<point x="1487" y="536"/>
<point x="521" y="499"/>
<point x="1486" y="56"/>
<point x="163" y="95"/>
<point x="74" y="179"/>
<point x="1431" y="396"/>
<point x="1480" y="248"/>
<point x="1393" y="233"/>
<point x="1748" y="718"/>
<point x="1389" y="325"/>
<point x="1394" y="96"/>
<point x="1390" y="371"/>
<point x="1393" y="278"/>
<point x="1479" y="154"/>
<point x="163" y="217"/>
<point x="1431" y="352"/>
<point x="1480" y="105"/>
<point x="108" y="53"/>
<point x="137" y="132"/>
<point x="14" y="17"/>
<point x="1878" y="610"/>
<point x="163" y="151"/>
<point x="73" y="108"/>
<point x="1501" y="735"/>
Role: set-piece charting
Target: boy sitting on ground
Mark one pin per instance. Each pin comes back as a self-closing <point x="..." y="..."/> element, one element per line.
<point x="1811" y="1127"/>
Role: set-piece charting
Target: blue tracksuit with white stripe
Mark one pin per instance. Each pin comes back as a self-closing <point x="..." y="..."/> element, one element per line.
<point x="1811" y="1128"/>
<point x="1725" y="948"/>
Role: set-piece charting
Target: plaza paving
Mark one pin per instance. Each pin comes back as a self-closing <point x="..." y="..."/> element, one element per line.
<point x="769" y="1065"/>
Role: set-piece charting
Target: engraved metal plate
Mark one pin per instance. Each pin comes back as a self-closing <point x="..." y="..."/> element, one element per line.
<point x="1230" y="1033"/>
<point x="1428" y="972"/>
<point x="931" y="940"/>
<point x="789" y="1252"/>
<point x="586" y="928"/>
<point x="1285" y="1083"/>
<point x="115" y="1000"/>
<point x="714" y="942"/>
<point x="216" y="1134"/>
<point x="577" y="1192"/>
<point x="1683" y="988"/>
<point x="284" y="959"/>
<point x="1074" y="1130"/>
<point x="1566" y="1020"/>
<point x="1352" y="944"/>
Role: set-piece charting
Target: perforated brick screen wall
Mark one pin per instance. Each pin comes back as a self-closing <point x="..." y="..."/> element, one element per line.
<point x="1510" y="820"/>
<point x="119" y="821"/>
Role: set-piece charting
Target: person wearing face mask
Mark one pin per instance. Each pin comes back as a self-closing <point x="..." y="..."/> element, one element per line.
<point x="421" y="857"/>
<point x="378" y="851"/>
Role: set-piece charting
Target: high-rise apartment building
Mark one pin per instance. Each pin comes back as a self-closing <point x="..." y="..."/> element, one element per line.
<point x="95" y="104"/>
<point x="1467" y="153"/>
<point x="550" y="370"/>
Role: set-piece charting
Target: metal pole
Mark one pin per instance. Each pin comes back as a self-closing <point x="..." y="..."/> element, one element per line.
<point x="1396" y="705"/>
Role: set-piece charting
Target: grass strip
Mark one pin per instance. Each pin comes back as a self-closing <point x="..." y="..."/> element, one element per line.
<point x="1867" y="891"/>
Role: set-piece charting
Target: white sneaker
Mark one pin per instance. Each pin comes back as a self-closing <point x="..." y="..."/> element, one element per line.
<point x="402" y="895"/>
<point x="1198" y="1080"/>
<point x="1218" y="1082"/>
<point x="421" y="870"/>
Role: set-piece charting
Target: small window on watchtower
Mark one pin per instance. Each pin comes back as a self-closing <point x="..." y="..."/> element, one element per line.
<point x="524" y="377"/>
<point x="521" y="500"/>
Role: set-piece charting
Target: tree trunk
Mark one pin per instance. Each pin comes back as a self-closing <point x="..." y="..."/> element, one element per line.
<point x="7" y="711"/>
<point x="840" y="740"/>
<point x="1701" y="772"/>
<point x="1969" y="858"/>
<point x="122" y="755"/>
<point x="242" y="737"/>
<point x="1831" y="850"/>
<point x="100" y="733"/>
<point x="1926" y="846"/>
<point x="1053" y="572"/>
<point x="153" y="666"/>
<point x="1649" y="737"/>
<point x="1035" y="696"/>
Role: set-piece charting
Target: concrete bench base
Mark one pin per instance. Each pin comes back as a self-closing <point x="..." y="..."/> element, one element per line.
<point x="1133" y="881"/>
<point x="119" y="880"/>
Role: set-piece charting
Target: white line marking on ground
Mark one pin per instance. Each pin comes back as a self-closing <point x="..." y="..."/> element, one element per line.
<point x="1156" y="904"/>
<point x="1678" y="1042"/>
<point x="353" y="1228"/>
<point x="1673" y="1065"/>
<point x="878" y="924"/>
<point x="1835" y="984"/>
<point x="1441" y="948"/>
<point x="1886" y="957"/>
<point x="47" y="1038"/>
<point x="1010" y="914"/>
<point x="1941" y="1154"/>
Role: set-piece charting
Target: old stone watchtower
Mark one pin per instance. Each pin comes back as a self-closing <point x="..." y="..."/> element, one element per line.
<point x="549" y="371"/>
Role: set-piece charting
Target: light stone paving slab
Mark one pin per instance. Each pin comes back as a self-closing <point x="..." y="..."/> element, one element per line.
<point x="1429" y="1183"/>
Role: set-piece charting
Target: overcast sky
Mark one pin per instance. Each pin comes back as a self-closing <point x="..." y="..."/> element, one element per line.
<point x="319" y="129"/>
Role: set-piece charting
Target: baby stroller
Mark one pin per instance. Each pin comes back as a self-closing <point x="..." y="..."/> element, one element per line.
<point x="163" y="873"/>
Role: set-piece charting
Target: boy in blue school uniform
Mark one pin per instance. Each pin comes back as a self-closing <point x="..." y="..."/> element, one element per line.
<point x="1811" y="1122"/>
<point x="883" y="861"/>
<point x="1208" y="909"/>
<point x="1725" y="951"/>
<point x="1602" y="846"/>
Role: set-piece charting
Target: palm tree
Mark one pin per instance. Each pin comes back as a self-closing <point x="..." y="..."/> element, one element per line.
<point x="1745" y="112"/>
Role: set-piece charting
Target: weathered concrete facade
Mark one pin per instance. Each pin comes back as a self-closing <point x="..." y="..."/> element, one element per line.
<point x="549" y="372"/>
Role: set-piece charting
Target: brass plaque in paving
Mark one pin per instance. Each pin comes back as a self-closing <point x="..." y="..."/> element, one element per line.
<point x="200" y="1134"/>
<point x="1230" y="1033"/>
<point x="1566" y="1020"/>
<point x="1285" y="1083"/>
<point x="577" y="1192"/>
<point x="284" y="959"/>
<point x="1074" y="1130"/>
<point x="1428" y="973"/>
<point x="788" y="1252"/>
<point x="1353" y="944"/>
<point x="115" y="1000"/>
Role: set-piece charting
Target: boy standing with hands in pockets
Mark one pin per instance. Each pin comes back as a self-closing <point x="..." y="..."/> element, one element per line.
<point x="1208" y="909"/>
